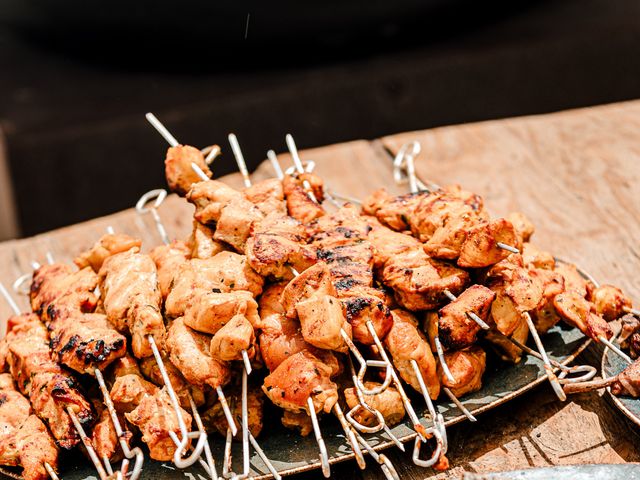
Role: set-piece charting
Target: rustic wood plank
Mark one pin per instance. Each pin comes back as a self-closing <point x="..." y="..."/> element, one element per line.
<point x="585" y="161"/>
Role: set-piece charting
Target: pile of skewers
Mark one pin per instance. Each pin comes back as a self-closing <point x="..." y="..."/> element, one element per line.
<point x="334" y="308"/>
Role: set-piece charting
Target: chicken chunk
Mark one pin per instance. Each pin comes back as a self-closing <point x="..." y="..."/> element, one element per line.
<point x="456" y="328"/>
<point x="388" y="243"/>
<point x="610" y="302"/>
<point x="201" y="242"/>
<point x="629" y="337"/>
<point x="323" y="322"/>
<point x="232" y="339"/>
<point x="189" y="352"/>
<point x="467" y="367"/>
<point x="405" y="344"/>
<point x="156" y="417"/>
<point x="168" y="260"/>
<point x="315" y="280"/>
<point x="177" y="168"/>
<point x="214" y="310"/>
<point x="299" y="421"/>
<point x="104" y="437"/>
<point x="58" y="288"/>
<point x="25" y="439"/>
<point x="363" y="306"/>
<point x="447" y="240"/>
<point x="299" y="205"/>
<point x="128" y="391"/>
<point x="388" y="403"/>
<point x="268" y="196"/>
<point x="108" y="245"/>
<point x="579" y="312"/>
<point x="628" y="381"/>
<point x="506" y="349"/>
<point x="132" y="299"/>
<point x="394" y="212"/>
<point x="533" y="257"/>
<point x="209" y="198"/>
<point x="184" y="390"/>
<point x="545" y="316"/>
<point x="215" y="417"/>
<point x="480" y="249"/>
<point x="235" y="222"/>
<point x="419" y="282"/>
<point x="573" y="280"/>
<point x="523" y="226"/>
<point x="299" y="377"/>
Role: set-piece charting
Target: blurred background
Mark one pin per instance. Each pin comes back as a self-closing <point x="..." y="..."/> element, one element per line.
<point x="77" y="76"/>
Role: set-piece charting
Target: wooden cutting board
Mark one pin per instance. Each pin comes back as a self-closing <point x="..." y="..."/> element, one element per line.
<point x="575" y="174"/>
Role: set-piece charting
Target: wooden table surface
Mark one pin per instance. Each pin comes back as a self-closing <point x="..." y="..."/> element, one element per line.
<point x="575" y="174"/>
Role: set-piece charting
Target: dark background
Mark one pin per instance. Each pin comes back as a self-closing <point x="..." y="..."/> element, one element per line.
<point x="77" y="76"/>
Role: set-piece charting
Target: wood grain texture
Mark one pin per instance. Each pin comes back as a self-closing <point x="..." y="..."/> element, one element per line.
<point x="573" y="173"/>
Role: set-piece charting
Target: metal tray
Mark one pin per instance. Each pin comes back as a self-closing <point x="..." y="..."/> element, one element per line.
<point x="574" y="472"/>
<point x="611" y="365"/>
<point x="291" y="453"/>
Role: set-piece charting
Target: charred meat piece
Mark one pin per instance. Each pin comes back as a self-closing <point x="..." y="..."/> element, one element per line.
<point x="209" y="198"/>
<point x="299" y="377"/>
<point x="523" y="226"/>
<point x="59" y="288"/>
<point x="108" y="245"/>
<point x="628" y="381"/>
<point x="579" y="312"/>
<point x="201" y="243"/>
<point x="299" y="421"/>
<point x="388" y="403"/>
<point x="155" y="417"/>
<point x="573" y="280"/>
<point x="276" y="245"/>
<point x="323" y="321"/>
<point x="457" y="329"/>
<point x="85" y="341"/>
<point x="394" y="212"/>
<point x="467" y="367"/>
<point x="178" y="170"/>
<point x="610" y="302"/>
<point x="629" y="337"/>
<point x="132" y="299"/>
<point x="104" y="437"/>
<point x="480" y="248"/>
<point x="189" y="352"/>
<point x="25" y="440"/>
<point x="299" y="205"/>
<point x="447" y="240"/>
<point x="214" y="310"/>
<point x="387" y="243"/>
<point x="406" y="343"/>
<point x="363" y="305"/>
<point x="315" y="280"/>
<point x="168" y="260"/>
<point x="419" y="282"/>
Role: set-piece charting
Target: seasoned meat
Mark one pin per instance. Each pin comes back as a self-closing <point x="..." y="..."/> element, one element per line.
<point x="505" y="349"/>
<point x="363" y="305"/>
<point x="177" y="168"/>
<point x="533" y="257"/>
<point x="544" y="316"/>
<point x="215" y="417"/>
<point x="85" y="341"/>
<point x="394" y="212"/>
<point x="50" y="388"/>
<point x="629" y="337"/>
<point x="232" y="339"/>
<point x="189" y="352"/>
<point x="132" y="299"/>
<point x="125" y="365"/>
<point x="447" y="240"/>
<point x="523" y="226"/>
<point x="456" y="328"/>
<point x="323" y="321"/>
<point x="388" y="403"/>
<point x="277" y="244"/>
<point x="628" y="381"/>
<point x="108" y="245"/>
<point x="209" y="199"/>
<point x="299" y="377"/>
<point x="225" y="272"/>
<point x="467" y="367"/>
<point x="480" y="249"/>
<point x="156" y="417"/>
<point x="579" y="312"/>
<point x="573" y="280"/>
<point x="59" y="288"/>
<point x="25" y="440"/>
<point x="268" y="196"/>
<point x="128" y="391"/>
<point x="610" y="302"/>
<point x="104" y="437"/>
<point x="419" y="282"/>
<point x="183" y="389"/>
<point x="235" y="222"/>
<point x="201" y="243"/>
<point x="315" y="280"/>
<point x="213" y="310"/>
<point x="299" y="205"/>
<point x="406" y="343"/>
<point x="168" y="260"/>
<point x="388" y="244"/>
